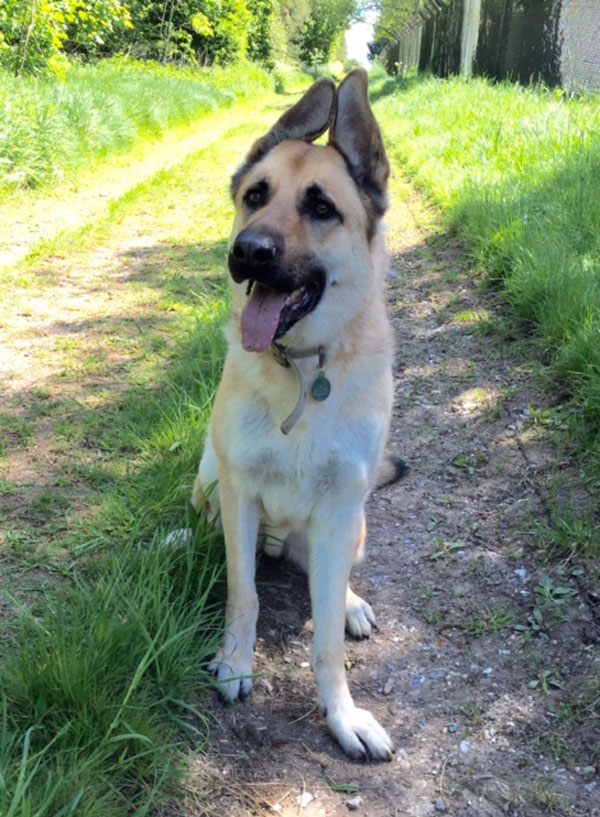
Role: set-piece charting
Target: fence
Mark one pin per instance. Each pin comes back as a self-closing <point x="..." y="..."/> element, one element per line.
<point x="555" y="41"/>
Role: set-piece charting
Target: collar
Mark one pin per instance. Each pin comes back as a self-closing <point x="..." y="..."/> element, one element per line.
<point x="286" y="357"/>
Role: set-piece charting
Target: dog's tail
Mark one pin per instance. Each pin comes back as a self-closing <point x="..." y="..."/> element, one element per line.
<point x="391" y="470"/>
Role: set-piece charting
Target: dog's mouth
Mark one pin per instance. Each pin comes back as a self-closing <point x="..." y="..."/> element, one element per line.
<point x="269" y="314"/>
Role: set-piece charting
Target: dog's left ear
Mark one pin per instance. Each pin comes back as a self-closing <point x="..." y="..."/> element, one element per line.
<point x="355" y="133"/>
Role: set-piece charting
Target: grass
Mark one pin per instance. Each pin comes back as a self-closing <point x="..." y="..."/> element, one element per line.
<point x="516" y="171"/>
<point x="50" y="128"/>
<point x="100" y="690"/>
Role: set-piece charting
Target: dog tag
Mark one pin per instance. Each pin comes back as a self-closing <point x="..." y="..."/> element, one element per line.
<point x="321" y="388"/>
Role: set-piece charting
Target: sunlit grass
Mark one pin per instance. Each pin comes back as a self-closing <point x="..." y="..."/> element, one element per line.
<point x="102" y="686"/>
<point x="51" y="127"/>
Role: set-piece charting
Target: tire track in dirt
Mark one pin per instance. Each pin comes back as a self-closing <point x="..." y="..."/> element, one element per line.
<point x="450" y="573"/>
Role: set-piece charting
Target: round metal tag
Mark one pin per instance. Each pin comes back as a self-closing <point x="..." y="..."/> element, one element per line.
<point x="321" y="388"/>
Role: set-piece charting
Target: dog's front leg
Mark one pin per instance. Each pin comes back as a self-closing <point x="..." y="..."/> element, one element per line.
<point x="332" y="547"/>
<point x="233" y="662"/>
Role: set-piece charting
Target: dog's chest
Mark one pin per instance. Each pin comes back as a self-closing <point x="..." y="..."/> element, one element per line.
<point x="318" y="462"/>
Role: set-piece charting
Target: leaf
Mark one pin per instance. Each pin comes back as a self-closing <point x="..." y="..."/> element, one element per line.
<point x="345" y="788"/>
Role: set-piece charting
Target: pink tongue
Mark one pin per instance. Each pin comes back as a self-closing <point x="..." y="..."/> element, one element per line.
<point x="260" y="317"/>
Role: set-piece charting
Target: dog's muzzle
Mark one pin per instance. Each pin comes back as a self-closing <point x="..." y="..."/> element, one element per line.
<point x="279" y="295"/>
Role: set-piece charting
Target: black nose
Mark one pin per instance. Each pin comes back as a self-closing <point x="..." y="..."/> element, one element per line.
<point x="255" y="248"/>
<point x="255" y="254"/>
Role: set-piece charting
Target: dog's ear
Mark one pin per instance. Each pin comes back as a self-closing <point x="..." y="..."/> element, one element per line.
<point x="306" y="120"/>
<point x="355" y="133"/>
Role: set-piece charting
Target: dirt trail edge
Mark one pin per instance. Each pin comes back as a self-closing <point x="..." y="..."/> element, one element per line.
<point x="456" y="672"/>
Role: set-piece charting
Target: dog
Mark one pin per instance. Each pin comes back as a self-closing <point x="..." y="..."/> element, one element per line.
<point x="299" y="425"/>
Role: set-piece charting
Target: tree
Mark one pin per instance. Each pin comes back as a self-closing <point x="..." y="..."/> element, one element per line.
<point x="290" y="17"/>
<point x="33" y="32"/>
<point x="392" y="17"/>
<point x="193" y="31"/>
<point x="329" y="18"/>
<point x="260" y="41"/>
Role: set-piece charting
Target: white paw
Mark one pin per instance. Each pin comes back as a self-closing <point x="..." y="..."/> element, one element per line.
<point x="233" y="674"/>
<point x="359" y="734"/>
<point x="360" y="618"/>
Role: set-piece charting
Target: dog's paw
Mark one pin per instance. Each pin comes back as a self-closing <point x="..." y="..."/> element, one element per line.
<point x="360" y="618"/>
<point x="233" y="677"/>
<point x="359" y="734"/>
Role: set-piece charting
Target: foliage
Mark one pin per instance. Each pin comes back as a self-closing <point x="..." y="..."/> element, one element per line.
<point x="328" y="20"/>
<point x="290" y="18"/>
<point x="192" y="31"/>
<point x="260" y="32"/>
<point x="32" y="32"/>
<point x="35" y="33"/>
<point x="393" y="16"/>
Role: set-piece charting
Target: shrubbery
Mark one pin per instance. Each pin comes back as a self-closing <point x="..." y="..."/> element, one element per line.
<point x="36" y="34"/>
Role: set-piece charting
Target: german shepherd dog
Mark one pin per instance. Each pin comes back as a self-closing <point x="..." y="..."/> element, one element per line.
<point x="301" y="415"/>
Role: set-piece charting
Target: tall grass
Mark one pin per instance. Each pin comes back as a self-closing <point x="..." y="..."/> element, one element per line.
<point x="50" y="127"/>
<point x="517" y="172"/>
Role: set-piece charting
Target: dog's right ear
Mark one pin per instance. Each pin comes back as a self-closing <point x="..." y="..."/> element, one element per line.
<point x="308" y="119"/>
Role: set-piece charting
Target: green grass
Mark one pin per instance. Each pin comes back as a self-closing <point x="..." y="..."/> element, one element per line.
<point x="101" y="688"/>
<point x="49" y="128"/>
<point x="517" y="173"/>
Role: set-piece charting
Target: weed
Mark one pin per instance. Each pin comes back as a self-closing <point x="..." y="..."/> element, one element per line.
<point x="445" y="548"/>
<point x="548" y="608"/>
<point x="547" y="679"/>
<point x="543" y="795"/>
<point x="570" y="532"/>
<point x="473" y="710"/>
<point x="493" y="620"/>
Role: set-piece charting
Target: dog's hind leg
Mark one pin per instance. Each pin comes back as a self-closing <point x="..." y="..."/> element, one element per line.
<point x="360" y="618"/>
<point x="332" y="544"/>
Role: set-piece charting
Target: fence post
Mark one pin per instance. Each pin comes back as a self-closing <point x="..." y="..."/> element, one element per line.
<point x="469" y="35"/>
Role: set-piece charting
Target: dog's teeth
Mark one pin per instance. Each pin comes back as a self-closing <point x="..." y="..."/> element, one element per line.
<point x="294" y="296"/>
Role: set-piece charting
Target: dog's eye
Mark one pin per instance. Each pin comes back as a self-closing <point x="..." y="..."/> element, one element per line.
<point x="317" y="206"/>
<point x="323" y="209"/>
<point x="256" y="196"/>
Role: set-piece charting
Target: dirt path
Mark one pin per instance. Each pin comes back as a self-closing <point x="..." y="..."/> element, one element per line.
<point x="472" y="703"/>
<point x="488" y="719"/>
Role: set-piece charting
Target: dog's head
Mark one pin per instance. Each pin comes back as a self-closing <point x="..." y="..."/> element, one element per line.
<point x="303" y="239"/>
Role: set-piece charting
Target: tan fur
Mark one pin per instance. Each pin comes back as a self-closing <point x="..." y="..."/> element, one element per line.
<point x="308" y="488"/>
